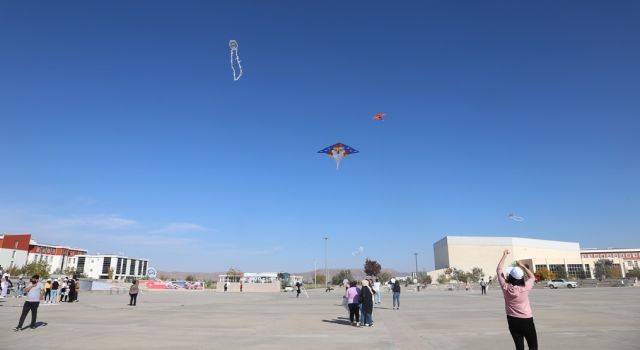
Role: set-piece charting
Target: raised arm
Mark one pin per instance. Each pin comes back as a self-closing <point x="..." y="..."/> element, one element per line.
<point x="526" y="269"/>
<point x="499" y="274"/>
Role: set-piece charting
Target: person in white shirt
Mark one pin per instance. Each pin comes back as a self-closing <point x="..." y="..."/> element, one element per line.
<point x="35" y="291"/>
<point x="376" y="288"/>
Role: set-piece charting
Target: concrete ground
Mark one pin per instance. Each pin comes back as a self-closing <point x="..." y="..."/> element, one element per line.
<point x="588" y="318"/>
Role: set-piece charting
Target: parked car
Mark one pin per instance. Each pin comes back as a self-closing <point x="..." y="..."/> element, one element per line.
<point x="555" y="284"/>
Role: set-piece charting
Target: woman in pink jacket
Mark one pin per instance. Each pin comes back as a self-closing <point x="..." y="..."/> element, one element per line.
<point x="353" y="295"/>
<point x="516" y="299"/>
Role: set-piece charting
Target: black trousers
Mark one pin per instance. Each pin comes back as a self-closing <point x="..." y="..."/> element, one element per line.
<point x="132" y="299"/>
<point x="484" y="289"/>
<point x="354" y="311"/>
<point x="523" y="328"/>
<point x="47" y="294"/>
<point x="29" y="306"/>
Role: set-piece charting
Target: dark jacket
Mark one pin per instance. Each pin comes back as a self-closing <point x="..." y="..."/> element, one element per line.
<point x="396" y="287"/>
<point x="367" y="299"/>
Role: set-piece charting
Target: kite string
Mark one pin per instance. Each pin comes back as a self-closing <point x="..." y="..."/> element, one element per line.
<point x="237" y="59"/>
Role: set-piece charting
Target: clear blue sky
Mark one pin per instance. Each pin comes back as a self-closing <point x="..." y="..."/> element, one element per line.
<point x="122" y="129"/>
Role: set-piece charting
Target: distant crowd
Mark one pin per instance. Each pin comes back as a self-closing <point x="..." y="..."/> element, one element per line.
<point x="55" y="291"/>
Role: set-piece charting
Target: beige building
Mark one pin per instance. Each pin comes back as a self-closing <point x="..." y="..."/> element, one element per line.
<point x="465" y="253"/>
<point x="624" y="259"/>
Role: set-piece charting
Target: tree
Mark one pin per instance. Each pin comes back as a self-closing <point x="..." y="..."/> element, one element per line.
<point x="442" y="279"/>
<point x="341" y="276"/>
<point x="40" y="267"/>
<point x="14" y="270"/>
<point x="234" y="272"/>
<point x="424" y="278"/>
<point x="476" y="274"/>
<point x="163" y="277"/>
<point x="371" y="267"/>
<point x="543" y="274"/>
<point x="635" y="273"/>
<point x="604" y="268"/>
<point x="69" y="271"/>
<point x="110" y="273"/>
<point x="384" y="277"/>
<point x="190" y="278"/>
<point x="460" y="275"/>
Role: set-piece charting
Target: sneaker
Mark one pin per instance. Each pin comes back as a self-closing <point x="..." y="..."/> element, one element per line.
<point x="367" y="325"/>
<point x="357" y="324"/>
<point x="17" y="329"/>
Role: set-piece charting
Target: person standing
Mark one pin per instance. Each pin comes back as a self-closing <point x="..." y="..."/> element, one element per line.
<point x="466" y="286"/>
<point x="34" y="291"/>
<point x="64" y="290"/>
<point x="47" y="291"/>
<point x="396" y="295"/>
<point x="21" y="286"/>
<point x="5" y="285"/>
<point x="376" y="289"/>
<point x="240" y="286"/>
<point x="71" y="286"/>
<point x="367" y="302"/>
<point x="54" y="290"/>
<point x="226" y="285"/>
<point x="298" y="285"/>
<point x="516" y="299"/>
<point x="133" y="293"/>
<point x="352" y="295"/>
<point x="483" y="286"/>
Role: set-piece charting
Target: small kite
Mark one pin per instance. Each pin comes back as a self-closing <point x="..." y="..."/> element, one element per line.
<point x="338" y="152"/>
<point x="358" y="251"/>
<point x="233" y="46"/>
<point x="378" y="116"/>
<point x="515" y="217"/>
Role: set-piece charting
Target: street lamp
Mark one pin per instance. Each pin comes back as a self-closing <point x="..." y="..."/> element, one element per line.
<point x="416" y="254"/>
<point x="326" y="274"/>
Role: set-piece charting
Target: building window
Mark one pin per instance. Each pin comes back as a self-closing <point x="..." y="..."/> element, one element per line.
<point x="118" y="266"/>
<point x="80" y="267"/>
<point x="106" y="264"/>
<point x="575" y="271"/>
<point x="124" y="266"/>
<point x="132" y="269"/>
<point x="15" y="245"/>
<point x="13" y="255"/>
<point x="540" y="267"/>
<point x="630" y="263"/>
<point x="144" y="270"/>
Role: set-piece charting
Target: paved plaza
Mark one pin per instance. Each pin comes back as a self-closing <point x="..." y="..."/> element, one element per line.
<point x="589" y="318"/>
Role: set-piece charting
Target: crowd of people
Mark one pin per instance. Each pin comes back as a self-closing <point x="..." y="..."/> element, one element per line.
<point x="54" y="290"/>
<point x="361" y="299"/>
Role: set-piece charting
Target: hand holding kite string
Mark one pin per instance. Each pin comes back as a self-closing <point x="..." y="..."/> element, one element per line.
<point x="338" y="151"/>
<point x="233" y="45"/>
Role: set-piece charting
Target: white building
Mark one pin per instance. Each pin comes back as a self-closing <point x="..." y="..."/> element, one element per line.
<point x="465" y="253"/>
<point x="624" y="259"/>
<point x="20" y="249"/>
<point x="120" y="267"/>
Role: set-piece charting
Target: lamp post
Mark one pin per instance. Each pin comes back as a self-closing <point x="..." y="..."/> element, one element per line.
<point x="416" y="254"/>
<point x="326" y="274"/>
<point x="315" y="273"/>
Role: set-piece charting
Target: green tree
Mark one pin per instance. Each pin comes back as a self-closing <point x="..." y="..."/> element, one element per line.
<point x="384" y="277"/>
<point x="460" y="275"/>
<point x="69" y="271"/>
<point x="190" y="278"/>
<point x="40" y="267"/>
<point x="14" y="270"/>
<point x="476" y="274"/>
<point x="341" y="276"/>
<point x="635" y="273"/>
<point x="372" y="267"/>
<point x="442" y="279"/>
<point x="424" y="278"/>
<point x="603" y="268"/>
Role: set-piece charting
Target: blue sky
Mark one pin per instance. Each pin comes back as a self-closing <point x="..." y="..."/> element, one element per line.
<point x="122" y="129"/>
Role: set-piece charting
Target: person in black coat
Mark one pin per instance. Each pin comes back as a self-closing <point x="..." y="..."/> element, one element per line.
<point x="367" y="302"/>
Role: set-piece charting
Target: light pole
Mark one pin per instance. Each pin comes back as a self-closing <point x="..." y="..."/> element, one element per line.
<point x="315" y="273"/>
<point x="416" y="254"/>
<point x="326" y="274"/>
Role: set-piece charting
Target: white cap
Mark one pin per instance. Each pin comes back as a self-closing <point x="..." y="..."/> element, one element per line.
<point x="393" y="280"/>
<point x="516" y="273"/>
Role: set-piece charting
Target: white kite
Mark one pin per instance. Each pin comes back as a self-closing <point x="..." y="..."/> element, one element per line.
<point x="235" y="59"/>
<point x="515" y="217"/>
<point x="359" y="251"/>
